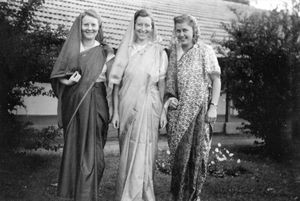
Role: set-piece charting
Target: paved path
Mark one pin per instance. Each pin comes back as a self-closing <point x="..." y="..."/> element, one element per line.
<point x="112" y="146"/>
<point x="44" y="121"/>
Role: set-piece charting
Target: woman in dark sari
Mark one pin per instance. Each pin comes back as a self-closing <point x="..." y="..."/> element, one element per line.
<point x="79" y="80"/>
<point x="192" y="93"/>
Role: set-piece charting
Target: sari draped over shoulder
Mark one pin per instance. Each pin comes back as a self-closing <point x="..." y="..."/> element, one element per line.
<point x="189" y="136"/>
<point x="140" y="108"/>
<point x="83" y="115"/>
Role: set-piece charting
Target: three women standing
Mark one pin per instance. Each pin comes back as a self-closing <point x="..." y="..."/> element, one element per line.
<point x="138" y="75"/>
<point x="192" y="93"/>
<point x="78" y="80"/>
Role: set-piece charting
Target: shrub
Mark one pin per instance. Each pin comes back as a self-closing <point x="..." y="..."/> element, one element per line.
<point x="221" y="163"/>
<point x="27" y="54"/>
<point x="48" y="138"/>
<point x="259" y="70"/>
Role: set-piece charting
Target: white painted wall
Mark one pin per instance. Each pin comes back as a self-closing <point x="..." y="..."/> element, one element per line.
<point x="39" y="105"/>
<point x="45" y="105"/>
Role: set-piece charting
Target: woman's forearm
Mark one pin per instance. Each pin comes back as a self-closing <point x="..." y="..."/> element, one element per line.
<point x="116" y="89"/>
<point x="64" y="81"/>
<point x="161" y="88"/>
<point x="216" y="89"/>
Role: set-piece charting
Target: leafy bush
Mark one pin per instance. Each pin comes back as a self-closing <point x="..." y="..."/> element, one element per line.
<point x="23" y="136"/>
<point x="221" y="163"/>
<point x="163" y="161"/>
<point x="48" y="138"/>
<point x="259" y="70"/>
<point x="27" y="54"/>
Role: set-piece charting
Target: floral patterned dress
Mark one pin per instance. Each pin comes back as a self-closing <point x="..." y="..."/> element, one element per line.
<point x="189" y="135"/>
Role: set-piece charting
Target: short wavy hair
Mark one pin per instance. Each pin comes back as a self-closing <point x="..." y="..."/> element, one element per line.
<point x="190" y="20"/>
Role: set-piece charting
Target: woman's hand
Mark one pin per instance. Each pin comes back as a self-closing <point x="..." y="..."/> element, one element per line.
<point x="75" y="77"/>
<point x="173" y="103"/>
<point x="211" y="115"/>
<point x="163" y="119"/>
<point x="115" y="121"/>
<point x="72" y="80"/>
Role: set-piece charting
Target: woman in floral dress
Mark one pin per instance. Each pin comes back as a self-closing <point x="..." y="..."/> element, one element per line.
<point x="192" y="93"/>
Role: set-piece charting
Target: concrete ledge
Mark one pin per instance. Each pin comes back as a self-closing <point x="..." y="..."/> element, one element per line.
<point x="233" y="127"/>
<point x="42" y="121"/>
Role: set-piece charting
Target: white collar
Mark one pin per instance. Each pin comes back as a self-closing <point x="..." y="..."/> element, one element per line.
<point x="96" y="43"/>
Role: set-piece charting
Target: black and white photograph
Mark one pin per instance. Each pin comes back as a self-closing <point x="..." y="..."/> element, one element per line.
<point x="149" y="100"/>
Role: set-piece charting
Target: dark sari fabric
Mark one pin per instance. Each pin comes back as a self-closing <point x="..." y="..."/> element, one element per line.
<point x="85" y="123"/>
<point x="83" y="114"/>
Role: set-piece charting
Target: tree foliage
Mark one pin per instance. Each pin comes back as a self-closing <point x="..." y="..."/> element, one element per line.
<point x="27" y="54"/>
<point x="259" y="71"/>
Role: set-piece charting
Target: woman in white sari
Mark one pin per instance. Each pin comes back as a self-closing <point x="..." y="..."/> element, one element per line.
<point x="138" y="75"/>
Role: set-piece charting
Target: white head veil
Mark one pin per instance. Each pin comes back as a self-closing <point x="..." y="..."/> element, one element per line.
<point x="122" y="57"/>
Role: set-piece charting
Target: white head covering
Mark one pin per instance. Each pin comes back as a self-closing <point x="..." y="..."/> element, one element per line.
<point x="122" y="57"/>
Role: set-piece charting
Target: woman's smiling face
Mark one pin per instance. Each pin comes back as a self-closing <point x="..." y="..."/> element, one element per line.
<point x="89" y="27"/>
<point x="184" y="33"/>
<point x="143" y="28"/>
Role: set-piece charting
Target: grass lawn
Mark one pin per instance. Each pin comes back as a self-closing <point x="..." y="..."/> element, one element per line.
<point x="25" y="177"/>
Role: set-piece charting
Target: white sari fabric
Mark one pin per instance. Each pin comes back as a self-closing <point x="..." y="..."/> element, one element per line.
<point x="137" y="69"/>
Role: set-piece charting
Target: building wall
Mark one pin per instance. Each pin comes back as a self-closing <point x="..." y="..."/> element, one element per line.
<point x="42" y="112"/>
<point x="39" y="105"/>
<point x="45" y="106"/>
<point x="116" y="15"/>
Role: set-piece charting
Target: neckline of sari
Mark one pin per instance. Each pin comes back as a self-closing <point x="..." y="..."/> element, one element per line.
<point x="83" y="49"/>
<point x="88" y="50"/>
<point x="141" y="49"/>
<point x="184" y="54"/>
